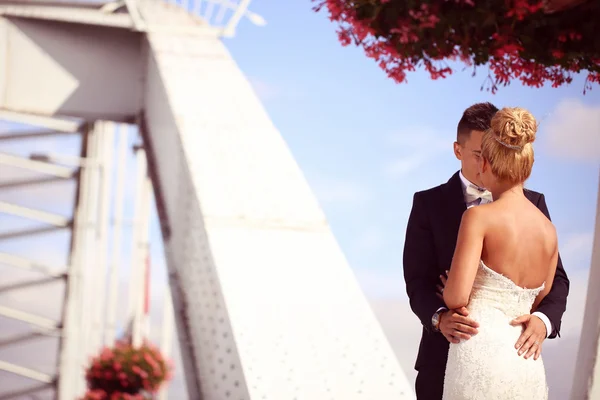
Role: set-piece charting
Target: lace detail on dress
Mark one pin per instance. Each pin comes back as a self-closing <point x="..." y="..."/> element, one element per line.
<point x="487" y="366"/>
<point x="494" y="289"/>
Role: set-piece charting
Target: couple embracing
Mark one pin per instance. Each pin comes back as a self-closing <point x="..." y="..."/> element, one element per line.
<point x="482" y="269"/>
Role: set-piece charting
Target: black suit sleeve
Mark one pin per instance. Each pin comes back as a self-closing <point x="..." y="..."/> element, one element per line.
<point x="555" y="302"/>
<point x="420" y="272"/>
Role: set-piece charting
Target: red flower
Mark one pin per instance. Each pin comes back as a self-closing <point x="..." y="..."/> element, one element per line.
<point x="123" y="371"/>
<point x="401" y="36"/>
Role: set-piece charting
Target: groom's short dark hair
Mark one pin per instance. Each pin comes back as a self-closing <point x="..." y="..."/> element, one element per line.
<point x="478" y="117"/>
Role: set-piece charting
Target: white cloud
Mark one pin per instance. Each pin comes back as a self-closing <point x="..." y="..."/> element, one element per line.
<point x="417" y="146"/>
<point x="573" y="131"/>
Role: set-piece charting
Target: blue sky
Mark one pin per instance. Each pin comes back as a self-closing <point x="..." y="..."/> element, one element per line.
<point x="367" y="144"/>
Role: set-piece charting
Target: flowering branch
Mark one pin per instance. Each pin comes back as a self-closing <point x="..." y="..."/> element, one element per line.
<point x="517" y="39"/>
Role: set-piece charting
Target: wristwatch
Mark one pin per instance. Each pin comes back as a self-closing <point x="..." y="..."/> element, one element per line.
<point x="435" y="320"/>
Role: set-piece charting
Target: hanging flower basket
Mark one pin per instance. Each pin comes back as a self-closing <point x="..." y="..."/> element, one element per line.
<point x="533" y="41"/>
<point x="98" y="394"/>
<point x="125" y="372"/>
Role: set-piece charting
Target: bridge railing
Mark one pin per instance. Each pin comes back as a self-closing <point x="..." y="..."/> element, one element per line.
<point x="221" y="15"/>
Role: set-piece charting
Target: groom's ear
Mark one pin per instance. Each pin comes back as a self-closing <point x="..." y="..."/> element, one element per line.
<point x="458" y="150"/>
<point x="485" y="164"/>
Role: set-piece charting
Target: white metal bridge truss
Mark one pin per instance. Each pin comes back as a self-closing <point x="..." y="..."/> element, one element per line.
<point x="25" y="271"/>
<point x="89" y="318"/>
<point x="265" y="304"/>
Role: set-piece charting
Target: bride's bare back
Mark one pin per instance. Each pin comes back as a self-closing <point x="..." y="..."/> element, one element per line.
<point x="512" y="237"/>
<point x="520" y="243"/>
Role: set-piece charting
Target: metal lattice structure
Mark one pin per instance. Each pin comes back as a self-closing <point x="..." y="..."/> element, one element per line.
<point x="24" y="271"/>
<point x="264" y="301"/>
<point x="265" y="304"/>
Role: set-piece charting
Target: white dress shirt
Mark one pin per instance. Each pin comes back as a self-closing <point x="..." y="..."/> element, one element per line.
<point x="487" y="199"/>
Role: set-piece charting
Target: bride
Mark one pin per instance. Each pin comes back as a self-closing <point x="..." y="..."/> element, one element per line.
<point x="503" y="266"/>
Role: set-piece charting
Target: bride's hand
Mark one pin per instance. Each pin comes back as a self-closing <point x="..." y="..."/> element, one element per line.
<point x="456" y="325"/>
<point x="530" y="342"/>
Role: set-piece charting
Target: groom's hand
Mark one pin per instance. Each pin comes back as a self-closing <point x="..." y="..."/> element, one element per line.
<point x="530" y="342"/>
<point x="440" y="288"/>
<point x="456" y="325"/>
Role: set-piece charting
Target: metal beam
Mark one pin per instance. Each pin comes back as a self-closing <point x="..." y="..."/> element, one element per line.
<point x="75" y="82"/>
<point x="26" y="372"/>
<point x="57" y="124"/>
<point x="586" y="385"/>
<point x="29" y="232"/>
<point x="37" y="166"/>
<point x="19" y="394"/>
<point x="29" y="283"/>
<point x="32" y="135"/>
<point x="57" y="3"/>
<point x="134" y="13"/>
<point x="30" y="265"/>
<point x="32" y="319"/>
<point x="234" y="20"/>
<point x="64" y="159"/>
<point x="12" y="340"/>
<point x="42" y="216"/>
<point x="211" y="288"/>
<point x="15" y="184"/>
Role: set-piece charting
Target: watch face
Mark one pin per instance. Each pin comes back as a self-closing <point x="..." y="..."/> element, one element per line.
<point x="435" y="320"/>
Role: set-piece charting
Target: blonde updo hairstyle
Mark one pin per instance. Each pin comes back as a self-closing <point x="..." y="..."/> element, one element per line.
<point x="507" y="145"/>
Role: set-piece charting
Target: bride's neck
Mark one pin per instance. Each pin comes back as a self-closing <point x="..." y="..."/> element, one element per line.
<point x="504" y="190"/>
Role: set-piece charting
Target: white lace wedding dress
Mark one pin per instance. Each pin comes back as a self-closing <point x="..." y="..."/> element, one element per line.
<point x="487" y="366"/>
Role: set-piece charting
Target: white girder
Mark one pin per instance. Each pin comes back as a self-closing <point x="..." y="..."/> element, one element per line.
<point x="52" y="125"/>
<point x="586" y="385"/>
<point x="216" y="17"/>
<point x="67" y="14"/>
<point x="30" y="271"/>
<point x="265" y="302"/>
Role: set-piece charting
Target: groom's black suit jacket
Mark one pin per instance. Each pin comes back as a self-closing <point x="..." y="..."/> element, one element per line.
<point x="428" y="250"/>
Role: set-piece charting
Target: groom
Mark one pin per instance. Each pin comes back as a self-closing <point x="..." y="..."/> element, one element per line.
<point x="429" y="246"/>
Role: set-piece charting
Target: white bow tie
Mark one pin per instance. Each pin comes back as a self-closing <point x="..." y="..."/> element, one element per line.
<point x="474" y="193"/>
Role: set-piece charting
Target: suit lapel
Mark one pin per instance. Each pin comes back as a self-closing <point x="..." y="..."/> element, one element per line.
<point x="531" y="196"/>
<point x="455" y="207"/>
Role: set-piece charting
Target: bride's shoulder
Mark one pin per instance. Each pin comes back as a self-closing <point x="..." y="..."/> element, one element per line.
<point x="476" y="216"/>
<point x="478" y="211"/>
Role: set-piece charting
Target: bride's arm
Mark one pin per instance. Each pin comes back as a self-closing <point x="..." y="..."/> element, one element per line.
<point x="465" y="262"/>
